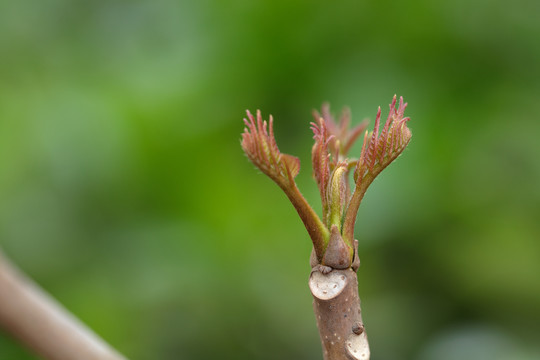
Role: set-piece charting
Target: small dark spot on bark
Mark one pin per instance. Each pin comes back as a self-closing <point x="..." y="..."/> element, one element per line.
<point x="358" y="328"/>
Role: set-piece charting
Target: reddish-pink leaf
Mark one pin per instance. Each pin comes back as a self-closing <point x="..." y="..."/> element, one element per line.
<point x="292" y="164"/>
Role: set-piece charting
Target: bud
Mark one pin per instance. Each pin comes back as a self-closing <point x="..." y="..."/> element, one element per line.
<point x="338" y="195"/>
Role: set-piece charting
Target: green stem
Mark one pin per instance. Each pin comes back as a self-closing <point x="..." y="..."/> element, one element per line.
<point x="352" y="209"/>
<point x="318" y="233"/>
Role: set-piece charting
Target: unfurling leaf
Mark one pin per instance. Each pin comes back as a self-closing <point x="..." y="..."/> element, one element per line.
<point x="320" y="160"/>
<point x="342" y="138"/>
<point x="292" y="164"/>
<point x="260" y="147"/>
<point x="378" y="151"/>
<point x="383" y="149"/>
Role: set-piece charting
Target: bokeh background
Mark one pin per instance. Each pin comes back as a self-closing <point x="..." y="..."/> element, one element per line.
<point x="125" y="194"/>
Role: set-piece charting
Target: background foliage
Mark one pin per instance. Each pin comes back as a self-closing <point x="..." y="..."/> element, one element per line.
<point x="124" y="191"/>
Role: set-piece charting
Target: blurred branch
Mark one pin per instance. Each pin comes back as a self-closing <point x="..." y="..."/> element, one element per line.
<point x="43" y="324"/>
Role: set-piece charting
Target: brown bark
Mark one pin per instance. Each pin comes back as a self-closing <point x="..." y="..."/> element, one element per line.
<point x="41" y="323"/>
<point x="337" y="310"/>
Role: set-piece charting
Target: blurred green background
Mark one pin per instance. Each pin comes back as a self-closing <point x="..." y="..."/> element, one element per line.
<point x="124" y="191"/>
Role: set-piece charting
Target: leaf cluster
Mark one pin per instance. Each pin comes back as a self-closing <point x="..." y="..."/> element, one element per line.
<point x="331" y="165"/>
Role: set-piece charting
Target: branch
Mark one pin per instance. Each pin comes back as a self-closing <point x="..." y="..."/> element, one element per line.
<point x="339" y="317"/>
<point x="41" y="323"/>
